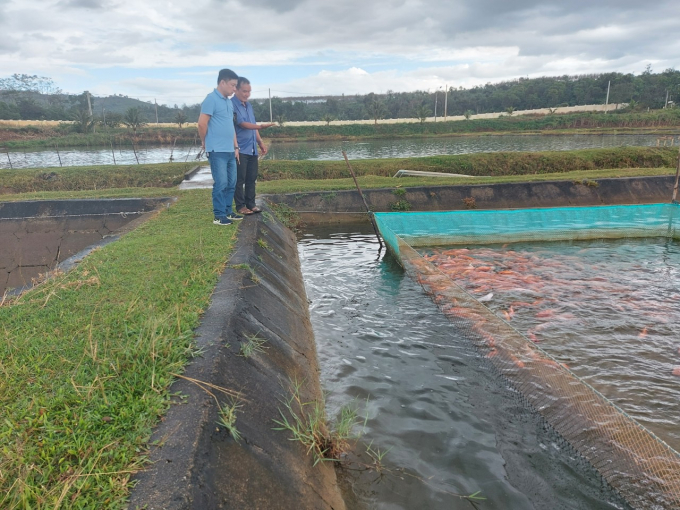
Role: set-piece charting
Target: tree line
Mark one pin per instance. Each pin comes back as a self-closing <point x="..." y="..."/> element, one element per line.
<point x="26" y="97"/>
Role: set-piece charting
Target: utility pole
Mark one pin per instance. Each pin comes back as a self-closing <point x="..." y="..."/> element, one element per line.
<point x="446" y="101"/>
<point x="666" y="103"/>
<point x="271" y="117"/>
<point x="156" y="104"/>
<point x="104" y="115"/>
<point x="606" y="102"/>
<point x="89" y="110"/>
<point x="436" y="96"/>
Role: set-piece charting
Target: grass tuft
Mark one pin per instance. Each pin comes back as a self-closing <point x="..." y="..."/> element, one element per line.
<point x="227" y="418"/>
<point x="252" y="345"/>
<point x="307" y="423"/>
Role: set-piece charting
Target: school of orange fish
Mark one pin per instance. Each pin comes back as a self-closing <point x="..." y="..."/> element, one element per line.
<point x="542" y="294"/>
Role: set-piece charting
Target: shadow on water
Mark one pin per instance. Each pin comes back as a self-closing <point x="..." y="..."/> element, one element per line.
<point x="449" y="424"/>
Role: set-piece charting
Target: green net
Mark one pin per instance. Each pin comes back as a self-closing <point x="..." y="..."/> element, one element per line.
<point x="644" y="469"/>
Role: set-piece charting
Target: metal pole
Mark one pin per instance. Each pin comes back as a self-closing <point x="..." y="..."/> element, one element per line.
<point x="113" y="153"/>
<point x="156" y="104"/>
<point x="10" y="161"/>
<point x="666" y="103"/>
<point x="677" y="178"/>
<point x="370" y="214"/>
<point x="271" y="117"/>
<point x="446" y="101"/>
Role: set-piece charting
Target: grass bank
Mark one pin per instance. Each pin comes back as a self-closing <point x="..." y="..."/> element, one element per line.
<point x="158" y="175"/>
<point x="290" y="176"/>
<point x="87" y="359"/>
<point x="47" y="137"/>
<point x="494" y="164"/>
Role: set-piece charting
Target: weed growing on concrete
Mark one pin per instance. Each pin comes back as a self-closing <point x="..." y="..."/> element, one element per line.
<point x="286" y="215"/>
<point x="401" y="205"/>
<point x="329" y="196"/>
<point x="267" y="216"/>
<point x="400" y="192"/>
<point x="308" y="424"/>
<point x="262" y="243"/>
<point x="227" y="419"/>
<point x="470" y="203"/>
<point x="252" y="344"/>
<point x="253" y="277"/>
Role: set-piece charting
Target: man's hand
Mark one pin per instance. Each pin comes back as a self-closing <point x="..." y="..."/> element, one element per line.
<point x="263" y="149"/>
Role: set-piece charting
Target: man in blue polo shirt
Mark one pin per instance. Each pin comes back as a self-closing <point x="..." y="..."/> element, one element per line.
<point x="218" y="138"/>
<point x="248" y="136"/>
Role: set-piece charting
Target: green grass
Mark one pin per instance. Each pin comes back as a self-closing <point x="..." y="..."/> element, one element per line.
<point x="252" y="345"/>
<point x="86" y="359"/>
<point x="228" y="417"/>
<point x="76" y="178"/>
<point x="306" y="423"/>
<point x="479" y="164"/>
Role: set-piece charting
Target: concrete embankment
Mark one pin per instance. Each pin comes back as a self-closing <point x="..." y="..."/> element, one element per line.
<point x="197" y="464"/>
<point x="347" y="206"/>
<point x="39" y="234"/>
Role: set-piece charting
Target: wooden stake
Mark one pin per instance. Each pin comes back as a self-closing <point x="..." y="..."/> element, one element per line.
<point x="57" y="147"/>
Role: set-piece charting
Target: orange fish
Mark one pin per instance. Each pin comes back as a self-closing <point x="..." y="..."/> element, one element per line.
<point x="545" y="313"/>
<point x="643" y="333"/>
<point x="676" y="371"/>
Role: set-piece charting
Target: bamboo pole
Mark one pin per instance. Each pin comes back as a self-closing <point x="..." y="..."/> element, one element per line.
<point x="368" y="210"/>
<point x="677" y="178"/>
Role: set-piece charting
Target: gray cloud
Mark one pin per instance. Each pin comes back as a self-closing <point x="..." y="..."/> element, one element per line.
<point x="83" y="4"/>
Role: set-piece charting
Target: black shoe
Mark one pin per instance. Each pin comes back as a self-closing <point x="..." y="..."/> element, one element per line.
<point x="222" y="221"/>
<point x="234" y="217"/>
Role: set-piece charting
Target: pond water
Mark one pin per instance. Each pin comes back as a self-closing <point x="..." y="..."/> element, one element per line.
<point x="449" y="424"/>
<point x="328" y="150"/>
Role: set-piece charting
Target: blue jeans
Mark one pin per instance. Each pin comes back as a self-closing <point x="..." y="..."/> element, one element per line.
<point x="223" y="170"/>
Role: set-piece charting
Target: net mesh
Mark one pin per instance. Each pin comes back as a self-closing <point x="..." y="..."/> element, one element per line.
<point x="644" y="469"/>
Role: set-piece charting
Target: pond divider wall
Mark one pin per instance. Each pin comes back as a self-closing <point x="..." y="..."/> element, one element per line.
<point x="37" y="235"/>
<point x="347" y="206"/>
<point x="197" y="464"/>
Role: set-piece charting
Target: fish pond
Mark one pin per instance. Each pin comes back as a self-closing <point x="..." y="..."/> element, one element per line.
<point x="446" y="423"/>
<point x="607" y="309"/>
<point x="127" y="154"/>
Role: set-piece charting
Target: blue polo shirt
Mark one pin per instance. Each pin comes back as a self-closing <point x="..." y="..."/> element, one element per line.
<point x="220" y="136"/>
<point x="247" y="138"/>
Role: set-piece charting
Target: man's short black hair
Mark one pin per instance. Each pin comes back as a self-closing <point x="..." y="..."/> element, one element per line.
<point x="226" y="75"/>
<point x="242" y="80"/>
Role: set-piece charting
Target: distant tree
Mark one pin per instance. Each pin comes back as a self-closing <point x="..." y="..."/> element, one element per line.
<point x="376" y="109"/>
<point x="82" y="121"/>
<point x="29" y="109"/>
<point x="422" y="112"/>
<point x="281" y="119"/>
<point x="468" y="114"/>
<point x="112" y="120"/>
<point x="133" y="119"/>
<point x="509" y="110"/>
<point x="27" y="82"/>
<point x="180" y="118"/>
<point x="328" y="118"/>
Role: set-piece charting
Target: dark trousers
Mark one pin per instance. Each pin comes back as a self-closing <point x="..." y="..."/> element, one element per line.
<point x="246" y="175"/>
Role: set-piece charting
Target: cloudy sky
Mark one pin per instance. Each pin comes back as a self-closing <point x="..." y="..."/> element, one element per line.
<point x="171" y="50"/>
